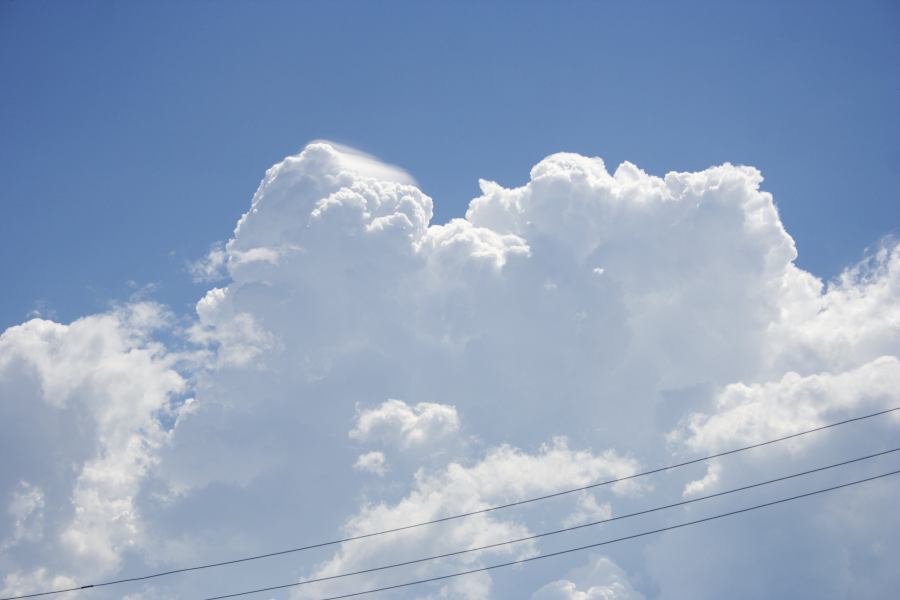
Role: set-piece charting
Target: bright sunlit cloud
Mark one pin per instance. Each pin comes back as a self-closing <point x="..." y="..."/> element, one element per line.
<point x="358" y="368"/>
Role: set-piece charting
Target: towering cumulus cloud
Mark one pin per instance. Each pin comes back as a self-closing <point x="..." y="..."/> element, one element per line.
<point x="360" y="368"/>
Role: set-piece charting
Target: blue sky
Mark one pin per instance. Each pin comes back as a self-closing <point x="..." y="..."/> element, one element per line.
<point x="352" y="364"/>
<point x="135" y="132"/>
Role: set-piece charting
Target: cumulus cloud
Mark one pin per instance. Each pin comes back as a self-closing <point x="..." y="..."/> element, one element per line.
<point x="397" y="423"/>
<point x="567" y="330"/>
<point x="27" y="510"/>
<point x="211" y="267"/>
<point x="86" y="400"/>
<point x="589" y="510"/>
<point x="237" y="338"/>
<point x="751" y="413"/>
<point x="601" y="579"/>
<point x="504" y="474"/>
<point x="374" y="462"/>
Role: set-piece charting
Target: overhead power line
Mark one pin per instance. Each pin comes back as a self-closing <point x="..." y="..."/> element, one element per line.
<point x="451" y="517"/>
<point x="566" y="551"/>
<point x="585" y="525"/>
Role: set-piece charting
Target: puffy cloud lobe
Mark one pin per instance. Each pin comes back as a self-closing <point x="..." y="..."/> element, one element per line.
<point x="588" y="511"/>
<point x="856" y="319"/>
<point x="460" y="246"/>
<point x="397" y="423"/>
<point x="671" y="246"/>
<point x="211" y="267"/>
<point x="237" y="337"/>
<point x="504" y="474"/>
<point x="374" y="462"/>
<point x="750" y="413"/>
<point x="86" y="398"/>
<point x="27" y="510"/>
<point x="314" y="200"/>
<point x="601" y="579"/>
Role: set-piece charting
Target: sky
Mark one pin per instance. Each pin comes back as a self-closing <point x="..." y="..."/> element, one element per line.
<point x="136" y="131"/>
<point x="280" y="272"/>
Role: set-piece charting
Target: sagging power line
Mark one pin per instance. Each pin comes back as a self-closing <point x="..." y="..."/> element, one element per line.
<point x="566" y="551"/>
<point x="450" y="517"/>
<point x="590" y="524"/>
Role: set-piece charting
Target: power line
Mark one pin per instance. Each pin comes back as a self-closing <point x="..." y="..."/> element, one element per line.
<point x="566" y="551"/>
<point x="590" y="524"/>
<point x="451" y="517"/>
<point x="593" y="523"/>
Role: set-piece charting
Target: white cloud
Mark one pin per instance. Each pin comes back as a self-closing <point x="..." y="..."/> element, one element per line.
<point x="397" y="423"/>
<point x="211" y="267"/>
<point x="504" y="474"/>
<point x="27" y="510"/>
<point x="18" y="583"/>
<point x="703" y="485"/>
<point x="237" y="338"/>
<point x="589" y="510"/>
<point x="87" y="399"/>
<point x="363" y="164"/>
<point x="373" y="462"/>
<point x="653" y="317"/>
<point x="601" y="579"/>
<point x="747" y="414"/>
<point x="853" y="320"/>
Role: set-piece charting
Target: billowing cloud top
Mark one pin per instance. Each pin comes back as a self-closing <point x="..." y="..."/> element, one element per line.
<point x="581" y="327"/>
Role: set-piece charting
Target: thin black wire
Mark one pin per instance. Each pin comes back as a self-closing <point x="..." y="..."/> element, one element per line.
<point x="451" y="517"/>
<point x="566" y="551"/>
<point x="592" y="523"/>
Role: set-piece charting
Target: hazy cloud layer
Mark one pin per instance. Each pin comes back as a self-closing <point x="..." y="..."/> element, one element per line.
<point x="360" y="368"/>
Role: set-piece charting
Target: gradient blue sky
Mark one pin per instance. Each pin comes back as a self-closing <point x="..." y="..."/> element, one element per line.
<point x="135" y="133"/>
<point x="357" y="370"/>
